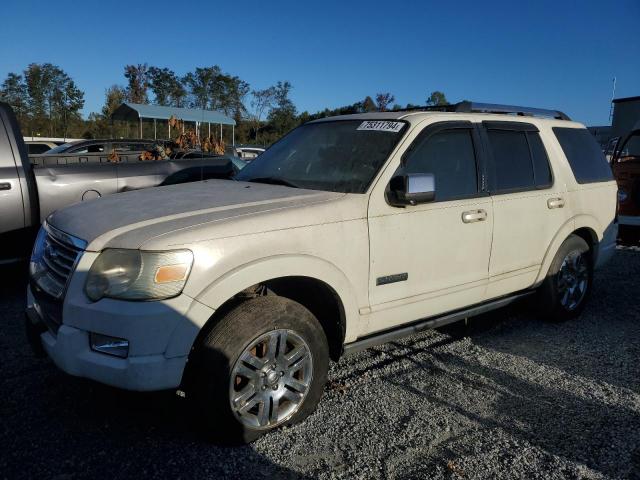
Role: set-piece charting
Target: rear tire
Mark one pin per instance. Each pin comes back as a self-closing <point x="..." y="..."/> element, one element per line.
<point x="566" y="289"/>
<point x="263" y="365"/>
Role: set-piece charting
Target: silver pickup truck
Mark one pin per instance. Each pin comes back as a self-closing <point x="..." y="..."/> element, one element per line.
<point x="31" y="188"/>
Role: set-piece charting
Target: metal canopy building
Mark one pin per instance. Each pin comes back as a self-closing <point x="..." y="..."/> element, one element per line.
<point x="138" y="112"/>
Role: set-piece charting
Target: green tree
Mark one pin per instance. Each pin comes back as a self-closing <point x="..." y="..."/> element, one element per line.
<point x="14" y="92"/>
<point x="383" y="100"/>
<point x="53" y="98"/>
<point x="137" y="82"/>
<point x="437" y="98"/>
<point x="262" y="102"/>
<point x="282" y="117"/>
<point x="201" y="86"/>
<point x="166" y="87"/>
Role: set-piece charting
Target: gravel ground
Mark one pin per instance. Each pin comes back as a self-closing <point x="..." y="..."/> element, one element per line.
<point x="509" y="396"/>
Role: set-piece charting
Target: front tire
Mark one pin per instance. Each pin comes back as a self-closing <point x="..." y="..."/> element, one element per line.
<point x="565" y="291"/>
<point x="263" y="365"/>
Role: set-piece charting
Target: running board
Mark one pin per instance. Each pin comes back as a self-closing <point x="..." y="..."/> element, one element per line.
<point x="433" y="322"/>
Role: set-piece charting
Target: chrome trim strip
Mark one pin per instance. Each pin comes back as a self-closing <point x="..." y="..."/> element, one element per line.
<point x="64" y="237"/>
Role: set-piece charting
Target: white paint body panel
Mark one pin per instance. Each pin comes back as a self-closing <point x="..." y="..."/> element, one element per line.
<point x="243" y="234"/>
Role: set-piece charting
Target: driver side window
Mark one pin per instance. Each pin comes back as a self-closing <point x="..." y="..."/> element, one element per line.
<point x="450" y="156"/>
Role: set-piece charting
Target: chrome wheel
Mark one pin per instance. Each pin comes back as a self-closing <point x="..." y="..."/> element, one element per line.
<point x="573" y="279"/>
<point x="270" y="379"/>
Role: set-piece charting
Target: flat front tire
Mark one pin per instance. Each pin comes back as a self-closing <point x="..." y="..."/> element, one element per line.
<point x="263" y="365"/>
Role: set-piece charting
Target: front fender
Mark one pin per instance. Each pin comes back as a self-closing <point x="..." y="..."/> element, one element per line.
<point x="277" y="266"/>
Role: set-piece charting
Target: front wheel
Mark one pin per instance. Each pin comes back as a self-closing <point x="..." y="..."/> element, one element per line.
<point x="565" y="290"/>
<point x="263" y="365"/>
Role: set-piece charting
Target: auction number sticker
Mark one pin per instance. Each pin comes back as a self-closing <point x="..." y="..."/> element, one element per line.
<point x="381" y="126"/>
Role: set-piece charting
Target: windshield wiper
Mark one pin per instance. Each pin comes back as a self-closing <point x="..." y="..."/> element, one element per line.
<point x="274" y="181"/>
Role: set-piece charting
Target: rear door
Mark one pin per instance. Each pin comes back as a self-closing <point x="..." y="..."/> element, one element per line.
<point x="528" y="205"/>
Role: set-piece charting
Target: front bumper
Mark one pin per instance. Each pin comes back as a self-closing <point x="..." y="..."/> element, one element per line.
<point x="160" y="333"/>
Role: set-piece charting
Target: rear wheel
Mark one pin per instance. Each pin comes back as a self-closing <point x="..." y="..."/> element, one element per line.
<point x="565" y="290"/>
<point x="263" y="365"/>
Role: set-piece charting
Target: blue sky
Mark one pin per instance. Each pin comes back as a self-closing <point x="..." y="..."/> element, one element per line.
<point x="556" y="54"/>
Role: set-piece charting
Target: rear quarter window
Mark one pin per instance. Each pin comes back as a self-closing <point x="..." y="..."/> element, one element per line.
<point x="584" y="155"/>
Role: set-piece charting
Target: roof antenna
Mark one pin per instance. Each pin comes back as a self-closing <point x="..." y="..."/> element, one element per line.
<point x="613" y="95"/>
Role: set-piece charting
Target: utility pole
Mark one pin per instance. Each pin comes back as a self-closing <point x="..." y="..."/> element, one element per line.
<point x="613" y="95"/>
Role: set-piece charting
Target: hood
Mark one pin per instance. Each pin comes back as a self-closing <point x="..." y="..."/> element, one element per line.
<point x="129" y="219"/>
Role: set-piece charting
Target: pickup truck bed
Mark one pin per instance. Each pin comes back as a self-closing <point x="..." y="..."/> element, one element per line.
<point x="31" y="188"/>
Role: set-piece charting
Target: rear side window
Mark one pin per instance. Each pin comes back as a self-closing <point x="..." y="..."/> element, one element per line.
<point x="520" y="161"/>
<point x="584" y="155"/>
<point x="37" y="148"/>
<point x="449" y="155"/>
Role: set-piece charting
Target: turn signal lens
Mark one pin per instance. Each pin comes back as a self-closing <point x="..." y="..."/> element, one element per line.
<point x="171" y="273"/>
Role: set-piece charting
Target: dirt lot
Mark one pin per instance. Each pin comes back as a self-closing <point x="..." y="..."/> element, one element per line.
<point x="508" y="397"/>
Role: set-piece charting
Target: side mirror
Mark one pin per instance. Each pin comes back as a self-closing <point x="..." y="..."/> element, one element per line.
<point x="411" y="189"/>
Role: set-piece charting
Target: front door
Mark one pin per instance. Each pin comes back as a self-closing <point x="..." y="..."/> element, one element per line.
<point x="434" y="257"/>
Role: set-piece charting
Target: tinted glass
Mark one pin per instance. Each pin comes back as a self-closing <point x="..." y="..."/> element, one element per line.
<point x="541" y="168"/>
<point x="449" y="155"/>
<point x="36" y="148"/>
<point x="338" y="156"/>
<point x="584" y="155"/>
<point x="60" y="148"/>
<point x="512" y="160"/>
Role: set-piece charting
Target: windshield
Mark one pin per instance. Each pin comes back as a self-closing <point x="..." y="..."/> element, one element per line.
<point x="60" y="148"/>
<point x="338" y="156"/>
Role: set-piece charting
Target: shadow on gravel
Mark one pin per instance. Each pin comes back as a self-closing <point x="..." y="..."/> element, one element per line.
<point x="561" y="423"/>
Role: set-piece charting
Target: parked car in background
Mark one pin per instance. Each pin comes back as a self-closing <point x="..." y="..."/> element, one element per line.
<point x="35" y="147"/>
<point x="32" y="187"/>
<point x="103" y="147"/>
<point x="348" y="232"/>
<point x="625" y="164"/>
<point x="246" y="152"/>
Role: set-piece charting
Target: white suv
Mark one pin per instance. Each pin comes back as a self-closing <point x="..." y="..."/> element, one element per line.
<point x="348" y="232"/>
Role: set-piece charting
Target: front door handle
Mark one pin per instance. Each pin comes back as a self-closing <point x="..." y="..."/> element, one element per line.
<point x="555" y="203"/>
<point x="474" y="216"/>
<point x="5" y="186"/>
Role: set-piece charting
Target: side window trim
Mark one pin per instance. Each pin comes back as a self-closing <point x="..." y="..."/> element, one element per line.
<point x="478" y="148"/>
<point x="526" y="129"/>
<point x="537" y="185"/>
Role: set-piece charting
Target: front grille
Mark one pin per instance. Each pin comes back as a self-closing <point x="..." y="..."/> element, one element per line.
<point x="54" y="258"/>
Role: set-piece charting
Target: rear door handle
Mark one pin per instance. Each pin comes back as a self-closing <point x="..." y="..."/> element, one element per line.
<point x="474" y="216"/>
<point x="555" y="203"/>
<point x="5" y="186"/>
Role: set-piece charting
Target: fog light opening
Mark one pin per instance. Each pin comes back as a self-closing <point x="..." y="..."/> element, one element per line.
<point x="117" y="347"/>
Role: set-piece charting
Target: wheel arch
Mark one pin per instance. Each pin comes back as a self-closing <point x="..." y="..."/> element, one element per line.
<point x="585" y="226"/>
<point x="313" y="282"/>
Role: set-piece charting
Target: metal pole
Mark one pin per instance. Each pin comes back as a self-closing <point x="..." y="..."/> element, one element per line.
<point x="221" y="132"/>
<point x="233" y="135"/>
<point x="613" y="96"/>
<point x="169" y="124"/>
<point x="209" y="125"/>
<point x="155" y="136"/>
<point x="140" y="127"/>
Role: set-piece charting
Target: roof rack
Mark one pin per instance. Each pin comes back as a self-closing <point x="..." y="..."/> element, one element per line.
<point x="474" y="107"/>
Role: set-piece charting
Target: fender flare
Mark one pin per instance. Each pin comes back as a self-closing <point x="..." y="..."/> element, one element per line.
<point x="574" y="223"/>
<point x="246" y="275"/>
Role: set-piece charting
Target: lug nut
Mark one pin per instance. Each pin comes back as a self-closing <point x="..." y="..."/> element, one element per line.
<point x="264" y="387"/>
<point x="282" y="374"/>
<point x="275" y="387"/>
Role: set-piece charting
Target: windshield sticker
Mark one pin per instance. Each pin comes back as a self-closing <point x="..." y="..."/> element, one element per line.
<point x="381" y="126"/>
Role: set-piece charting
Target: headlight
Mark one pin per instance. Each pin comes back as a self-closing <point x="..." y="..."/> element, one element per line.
<point x="138" y="275"/>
